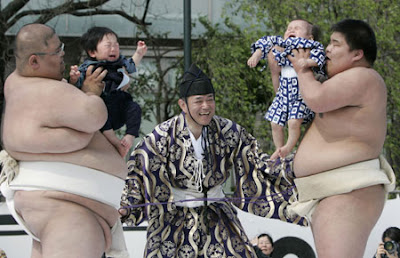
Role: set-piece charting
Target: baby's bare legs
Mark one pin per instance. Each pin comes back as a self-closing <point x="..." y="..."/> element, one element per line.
<point x="293" y="137"/>
<point x="278" y="136"/>
<point x="127" y="142"/>
<point x="115" y="141"/>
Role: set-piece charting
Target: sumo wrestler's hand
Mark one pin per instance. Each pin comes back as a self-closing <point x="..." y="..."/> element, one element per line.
<point x="93" y="83"/>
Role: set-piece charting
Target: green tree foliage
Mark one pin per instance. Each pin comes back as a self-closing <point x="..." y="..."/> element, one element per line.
<point x="242" y="92"/>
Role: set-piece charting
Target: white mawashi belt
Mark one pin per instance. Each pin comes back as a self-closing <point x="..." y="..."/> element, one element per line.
<point x="70" y="178"/>
<point x="187" y="198"/>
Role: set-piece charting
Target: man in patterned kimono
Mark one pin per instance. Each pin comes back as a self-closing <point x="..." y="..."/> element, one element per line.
<point x="177" y="173"/>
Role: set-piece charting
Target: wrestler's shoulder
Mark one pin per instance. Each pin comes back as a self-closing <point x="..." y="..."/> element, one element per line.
<point x="370" y="78"/>
<point x="361" y="71"/>
<point x="36" y="84"/>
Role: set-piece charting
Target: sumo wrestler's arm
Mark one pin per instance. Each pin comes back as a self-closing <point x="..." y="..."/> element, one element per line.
<point x="82" y="110"/>
<point x="55" y="118"/>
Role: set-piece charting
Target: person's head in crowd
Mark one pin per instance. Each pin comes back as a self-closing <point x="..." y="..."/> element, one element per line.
<point x="390" y="245"/>
<point x="265" y="243"/>
<point x="392" y="233"/>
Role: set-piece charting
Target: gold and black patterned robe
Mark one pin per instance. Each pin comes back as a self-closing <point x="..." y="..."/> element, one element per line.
<point x="165" y="159"/>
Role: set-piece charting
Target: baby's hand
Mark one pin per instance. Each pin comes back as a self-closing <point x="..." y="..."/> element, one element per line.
<point x="141" y="48"/>
<point x="74" y="74"/>
<point x="255" y="58"/>
<point x="252" y="62"/>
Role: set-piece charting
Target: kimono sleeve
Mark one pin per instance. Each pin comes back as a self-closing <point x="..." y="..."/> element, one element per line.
<point x="130" y="65"/>
<point x="317" y="54"/>
<point x="133" y="194"/>
<point x="147" y="191"/>
<point x="264" y="187"/>
<point x="266" y="43"/>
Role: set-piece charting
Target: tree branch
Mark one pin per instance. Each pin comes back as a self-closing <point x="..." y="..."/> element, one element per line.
<point x="12" y="9"/>
<point x="130" y="18"/>
<point x="90" y="8"/>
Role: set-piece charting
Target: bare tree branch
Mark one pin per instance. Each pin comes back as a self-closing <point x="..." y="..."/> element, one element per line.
<point x="16" y="10"/>
<point x="49" y="13"/>
<point x="12" y="9"/>
<point x="145" y="11"/>
<point x="133" y="19"/>
<point x="90" y="8"/>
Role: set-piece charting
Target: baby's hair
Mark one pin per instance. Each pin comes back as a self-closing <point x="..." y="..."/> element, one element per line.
<point x="315" y="32"/>
<point x="93" y="36"/>
<point x="313" y="29"/>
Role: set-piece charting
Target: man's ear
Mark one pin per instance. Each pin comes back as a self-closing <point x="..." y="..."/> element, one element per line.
<point x="358" y="54"/>
<point x="182" y="104"/>
<point x="34" y="62"/>
<point x="92" y="53"/>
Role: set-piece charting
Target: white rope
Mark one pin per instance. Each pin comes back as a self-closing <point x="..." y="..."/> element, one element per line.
<point x="198" y="175"/>
<point x="9" y="169"/>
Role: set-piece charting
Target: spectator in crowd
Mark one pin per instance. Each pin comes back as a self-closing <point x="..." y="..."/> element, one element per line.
<point x="263" y="245"/>
<point x="390" y="245"/>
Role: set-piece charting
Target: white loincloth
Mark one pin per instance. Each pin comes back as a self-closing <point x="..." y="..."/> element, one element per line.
<point x="64" y="177"/>
<point x="312" y="189"/>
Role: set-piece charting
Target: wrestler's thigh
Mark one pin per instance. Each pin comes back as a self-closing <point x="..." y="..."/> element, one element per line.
<point x="341" y="224"/>
<point x="65" y="229"/>
<point x="36" y="249"/>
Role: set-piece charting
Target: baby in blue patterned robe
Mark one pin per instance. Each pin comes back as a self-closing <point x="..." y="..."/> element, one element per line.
<point x="288" y="105"/>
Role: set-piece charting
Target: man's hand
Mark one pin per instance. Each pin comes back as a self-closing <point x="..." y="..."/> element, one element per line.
<point x="254" y="241"/>
<point x="123" y="214"/>
<point x="123" y="211"/>
<point x="300" y="59"/>
<point x="94" y="80"/>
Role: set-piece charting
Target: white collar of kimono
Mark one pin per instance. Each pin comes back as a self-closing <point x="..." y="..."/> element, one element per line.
<point x="196" y="143"/>
<point x="198" y="174"/>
